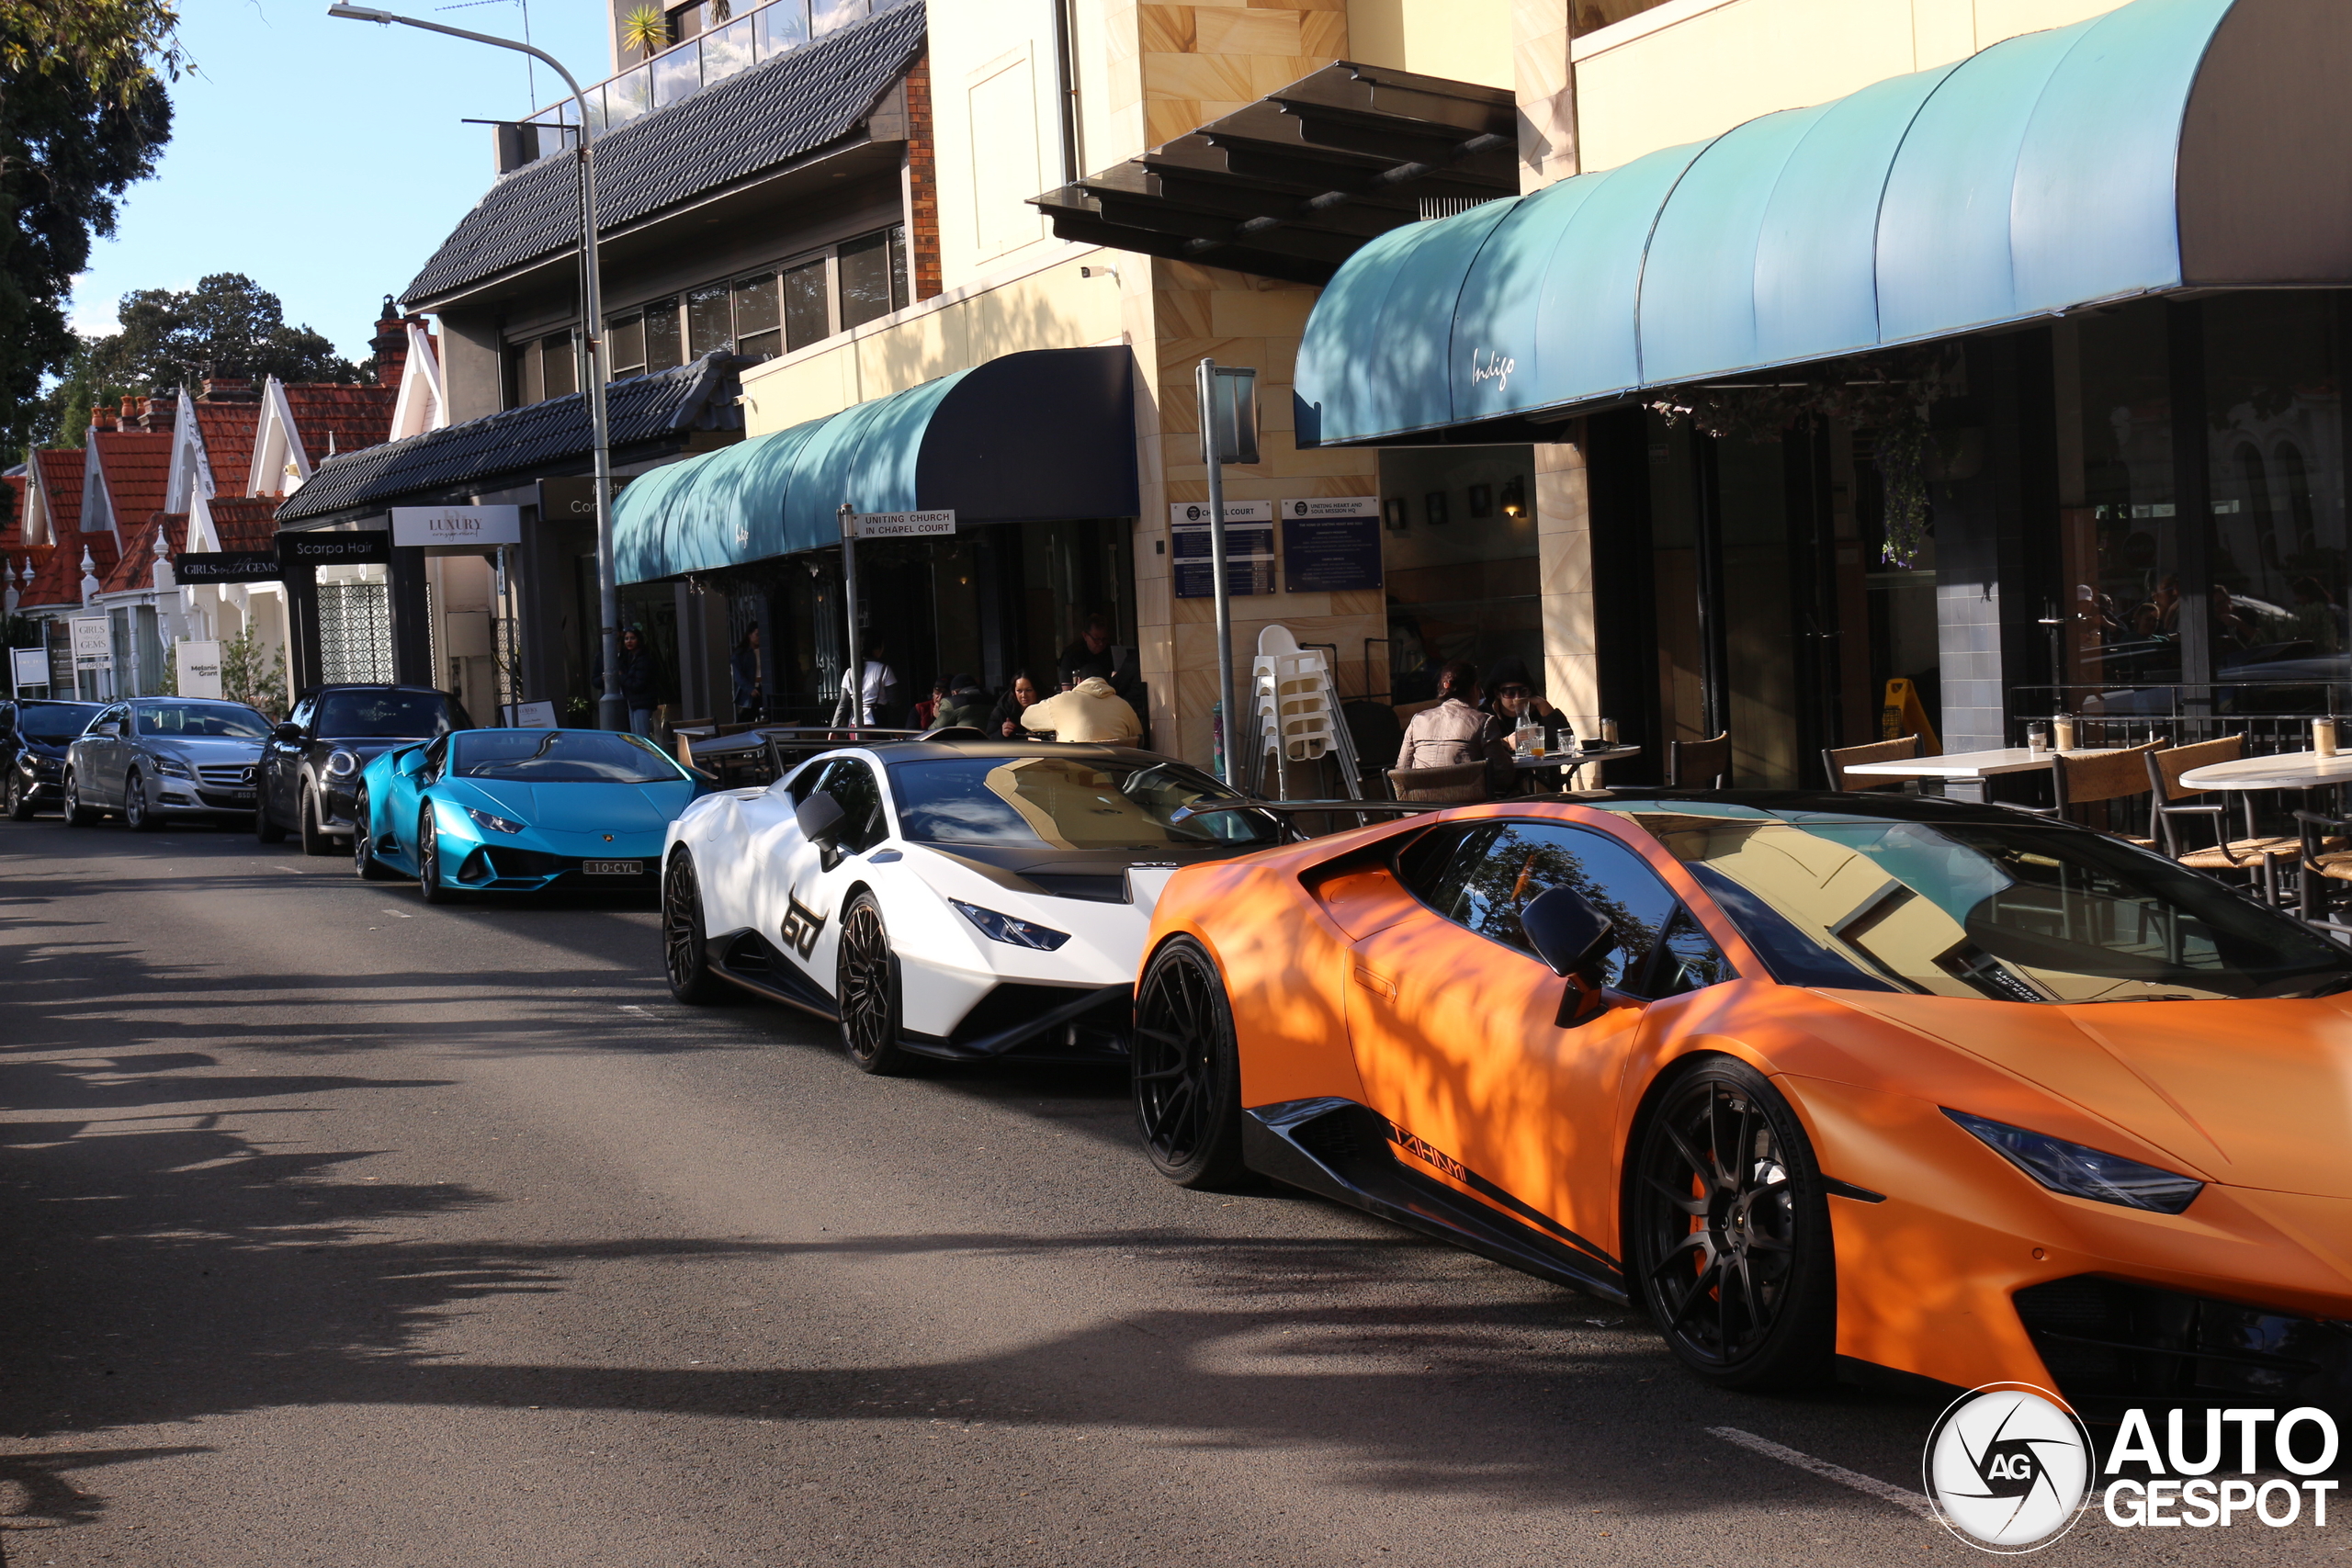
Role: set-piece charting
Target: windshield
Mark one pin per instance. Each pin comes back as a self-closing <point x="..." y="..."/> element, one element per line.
<point x="559" y="756"/>
<point x="1065" y="803"/>
<point x="232" y="721"/>
<point x="401" y="715"/>
<point x="2021" y="912"/>
<point x="52" y="725"/>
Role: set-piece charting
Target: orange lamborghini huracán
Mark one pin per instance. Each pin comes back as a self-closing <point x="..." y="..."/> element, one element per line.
<point x="1936" y="1087"/>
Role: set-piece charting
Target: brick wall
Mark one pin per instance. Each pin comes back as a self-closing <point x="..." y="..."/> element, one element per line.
<point x="923" y="183"/>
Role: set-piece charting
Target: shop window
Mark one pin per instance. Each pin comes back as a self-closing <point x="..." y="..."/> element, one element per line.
<point x="1459" y="585"/>
<point x="758" y="323"/>
<point x="805" y="319"/>
<point x="662" y="349"/>
<point x="624" y="347"/>
<point x="2120" y="534"/>
<point x="2274" y="418"/>
<point x="709" y="322"/>
<point x="874" y="275"/>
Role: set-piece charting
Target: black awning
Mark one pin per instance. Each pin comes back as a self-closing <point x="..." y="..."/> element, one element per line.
<point x="1291" y="185"/>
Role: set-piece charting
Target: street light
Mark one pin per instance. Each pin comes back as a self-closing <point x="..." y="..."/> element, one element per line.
<point x="610" y="712"/>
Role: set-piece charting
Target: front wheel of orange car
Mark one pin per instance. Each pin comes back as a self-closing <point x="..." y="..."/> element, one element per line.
<point x="1728" y="1236"/>
<point x="1187" y="1070"/>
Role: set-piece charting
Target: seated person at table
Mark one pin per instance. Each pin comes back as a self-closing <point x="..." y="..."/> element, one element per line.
<point x="1512" y="698"/>
<point x="1088" y="712"/>
<point x="1455" y="731"/>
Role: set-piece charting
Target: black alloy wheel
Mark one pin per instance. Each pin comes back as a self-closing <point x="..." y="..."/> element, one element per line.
<point x="137" y="812"/>
<point x="1729" y="1230"/>
<point x="1187" y="1070"/>
<point x="866" y="990"/>
<point x="76" y="814"/>
<point x="266" y="828"/>
<point x="20" y="796"/>
<point x="363" y="845"/>
<point x="428" y="862"/>
<point x="685" y="948"/>
<point x="316" y="840"/>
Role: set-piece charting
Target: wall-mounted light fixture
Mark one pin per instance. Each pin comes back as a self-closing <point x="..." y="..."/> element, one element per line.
<point x="1482" y="501"/>
<point x="1393" y="511"/>
<point x="1514" y="497"/>
<point x="1435" y="507"/>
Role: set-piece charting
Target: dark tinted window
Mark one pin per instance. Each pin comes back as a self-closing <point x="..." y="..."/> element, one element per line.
<point x="52" y="725"/>
<point x="1497" y="869"/>
<point x="1686" y="960"/>
<point x="361" y="716"/>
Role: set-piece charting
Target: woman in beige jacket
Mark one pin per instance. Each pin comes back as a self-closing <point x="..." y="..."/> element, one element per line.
<point x="1455" y="731"/>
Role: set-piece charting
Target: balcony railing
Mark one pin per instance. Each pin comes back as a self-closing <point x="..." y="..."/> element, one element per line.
<point x="734" y="38"/>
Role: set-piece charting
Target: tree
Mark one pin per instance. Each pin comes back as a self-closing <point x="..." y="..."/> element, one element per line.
<point x="228" y="324"/>
<point x="83" y="113"/>
<point x="62" y="417"/>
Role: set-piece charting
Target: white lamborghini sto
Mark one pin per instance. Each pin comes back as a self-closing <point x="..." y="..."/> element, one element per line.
<point x="956" y="899"/>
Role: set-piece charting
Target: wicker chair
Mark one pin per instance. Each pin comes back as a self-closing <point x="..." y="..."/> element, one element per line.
<point x="1455" y="783"/>
<point x="1699" y="764"/>
<point x="2078" y="780"/>
<point x="2257" y="854"/>
<point x="1834" y="763"/>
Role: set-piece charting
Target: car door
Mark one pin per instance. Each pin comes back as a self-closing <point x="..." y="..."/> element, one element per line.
<point x="814" y="881"/>
<point x="1454" y="1023"/>
<point x="404" y="798"/>
<point x="98" y="772"/>
<point x="281" y="765"/>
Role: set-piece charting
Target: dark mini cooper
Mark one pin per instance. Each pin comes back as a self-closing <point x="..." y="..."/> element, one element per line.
<point x="311" y="765"/>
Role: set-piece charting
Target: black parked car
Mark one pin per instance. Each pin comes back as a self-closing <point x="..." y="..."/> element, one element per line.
<point x="33" y="737"/>
<point x="311" y="763"/>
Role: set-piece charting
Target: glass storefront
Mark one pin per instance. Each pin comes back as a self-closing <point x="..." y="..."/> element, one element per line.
<point x="1458" y="531"/>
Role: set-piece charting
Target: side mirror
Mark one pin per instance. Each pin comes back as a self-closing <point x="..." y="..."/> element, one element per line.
<point x="289" y="734"/>
<point x="409" y="762"/>
<point x="820" y="817"/>
<point x="1573" y="937"/>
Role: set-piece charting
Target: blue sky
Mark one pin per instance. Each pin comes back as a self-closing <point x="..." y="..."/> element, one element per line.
<point x="323" y="158"/>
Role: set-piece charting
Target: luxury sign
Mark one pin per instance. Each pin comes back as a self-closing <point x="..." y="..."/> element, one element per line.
<point x="465" y="528"/>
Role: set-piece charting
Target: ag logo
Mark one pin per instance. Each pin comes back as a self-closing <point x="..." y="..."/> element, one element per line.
<point x="2010" y="1468"/>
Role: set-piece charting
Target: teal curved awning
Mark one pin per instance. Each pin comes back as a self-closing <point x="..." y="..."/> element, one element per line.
<point x="1036" y="437"/>
<point x="2168" y="144"/>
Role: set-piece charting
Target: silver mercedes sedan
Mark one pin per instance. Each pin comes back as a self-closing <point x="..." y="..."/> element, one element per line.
<point x="156" y="757"/>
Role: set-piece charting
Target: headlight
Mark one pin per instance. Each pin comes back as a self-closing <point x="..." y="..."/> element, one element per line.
<point x="1005" y="927"/>
<point x="2084" y="1173"/>
<point x="341" y="765"/>
<point x="175" y="767"/>
<point x="496" y="824"/>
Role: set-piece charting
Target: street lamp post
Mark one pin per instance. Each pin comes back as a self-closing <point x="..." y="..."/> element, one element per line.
<point x="611" y="714"/>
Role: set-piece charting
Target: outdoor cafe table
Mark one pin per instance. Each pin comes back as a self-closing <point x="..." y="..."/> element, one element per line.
<point x="2305" y="771"/>
<point x="1978" y="765"/>
<point x="1572" y="761"/>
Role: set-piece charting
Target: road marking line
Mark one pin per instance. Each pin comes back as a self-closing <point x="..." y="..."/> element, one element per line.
<point x="397" y="914"/>
<point x="1886" y="1490"/>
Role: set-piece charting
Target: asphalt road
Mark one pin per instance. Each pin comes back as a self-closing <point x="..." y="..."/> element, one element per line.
<point x="344" y="1230"/>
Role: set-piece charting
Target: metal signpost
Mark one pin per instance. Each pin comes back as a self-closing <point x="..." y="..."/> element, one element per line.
<point x="612" y="712"/>
<point x="1228" y="405"/>
<point x="851" y="709"/>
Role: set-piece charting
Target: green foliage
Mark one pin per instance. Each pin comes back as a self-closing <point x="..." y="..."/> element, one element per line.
<point x="227" y="323"/>
<point x="62" y="417"/>
<point x="253" y="674"/>
<point x="83" y="113"/>
<point x="645" y="30"/>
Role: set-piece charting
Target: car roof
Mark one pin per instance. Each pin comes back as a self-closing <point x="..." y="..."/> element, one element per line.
<point x="53" y="702"/>
<point x="371" y="687"/>
<point x="931" y="750"/>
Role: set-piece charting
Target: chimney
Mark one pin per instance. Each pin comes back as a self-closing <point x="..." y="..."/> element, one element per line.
<point x="222" y="384"/>
<point x="159" y="414"/>
<point x="390" y="344"/>
<point x="130" y="412"/>
<point x="102" y="419"/>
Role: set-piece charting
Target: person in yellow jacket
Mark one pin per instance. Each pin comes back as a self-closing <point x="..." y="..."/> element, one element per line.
<point x="1090" y="712"/>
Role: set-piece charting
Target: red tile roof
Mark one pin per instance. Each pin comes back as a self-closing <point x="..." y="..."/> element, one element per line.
<point x="245" y="524"/>
<point x="136" y="465"/>
<point x="58" y="579"/>
<point x="332" y="419"/>
<point x="136" y="568"/>
<point x="229" y="431"/>
<point x="61" y="482"/>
